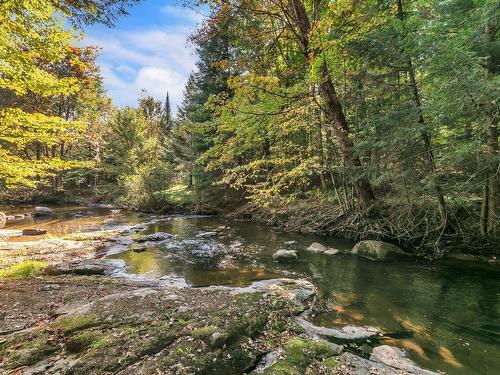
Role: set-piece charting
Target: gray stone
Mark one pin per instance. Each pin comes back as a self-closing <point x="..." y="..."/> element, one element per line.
<point x="42" y="211"/>
<point x="316" y="247"/>
<point x="345" y="334"/>
<point x="376" y="250"/>
<point x="206" y="234"/>
<point x="270" y="359"/>
<point x="219" y="339"/>
<point x="139" y="248"/>
<point x="285" y="255"/>
<point x="87" y="267"/>
<point x="351" y="364"/>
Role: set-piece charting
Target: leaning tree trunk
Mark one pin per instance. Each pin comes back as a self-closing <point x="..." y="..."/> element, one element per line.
<point x="424" y="132"/>
<point x="333" y="108"/>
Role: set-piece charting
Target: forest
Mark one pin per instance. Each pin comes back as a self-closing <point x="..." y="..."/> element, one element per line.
<point x="374" y="119"/>
<point x="323" y="199"/>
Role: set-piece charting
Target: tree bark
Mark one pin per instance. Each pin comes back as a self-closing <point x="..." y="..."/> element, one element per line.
<point x="332" y="106"/>
<point x="492" y="181"/>
<point x="490" y="204"/>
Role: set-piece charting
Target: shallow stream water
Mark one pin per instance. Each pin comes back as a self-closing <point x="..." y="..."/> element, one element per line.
<point x="446" y="314"/>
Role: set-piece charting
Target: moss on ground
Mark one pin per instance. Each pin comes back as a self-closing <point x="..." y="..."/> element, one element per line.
<point x="73" y="323"/>
<point x="27" y="349"/>
<point x="22" y="270"/>
<point x="82" y="341"/>
<point x="89" y="236"/>
<point x="299" y="355"/>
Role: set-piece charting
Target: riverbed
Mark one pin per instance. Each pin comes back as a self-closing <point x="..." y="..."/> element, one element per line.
<point x="446" y="314"/>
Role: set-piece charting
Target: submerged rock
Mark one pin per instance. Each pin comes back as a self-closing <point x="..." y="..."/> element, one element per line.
<point x="34" y="232"/>
<point x="396" y="357"/>
<point x="285" y="255"/>
<point x="332" y="252"/>
<point x="155" y="237"/>
<point x="316" y="247"/>
<point x="376" y="250"/>
<point x="42" y="211"/>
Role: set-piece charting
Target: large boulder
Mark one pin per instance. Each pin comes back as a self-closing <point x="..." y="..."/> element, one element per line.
<point x="283" y="254"/>
<point x="376" y="250"/>
<point x="42" y="212"/>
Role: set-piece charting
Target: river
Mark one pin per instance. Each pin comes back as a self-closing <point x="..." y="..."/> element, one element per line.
<point x="445" y="313"/>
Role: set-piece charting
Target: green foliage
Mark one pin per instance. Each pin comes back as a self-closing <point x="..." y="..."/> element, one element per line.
<point x="40" y="70"/>
<point x="137" y="155"/>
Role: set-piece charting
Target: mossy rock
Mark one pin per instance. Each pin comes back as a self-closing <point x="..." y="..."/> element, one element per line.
<point x="376" y="250"/>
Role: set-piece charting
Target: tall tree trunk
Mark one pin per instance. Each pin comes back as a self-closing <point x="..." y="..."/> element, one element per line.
<point x="491" y="191"/>
<point x="492" y="180"/>
<point x="332" y="106"/>
<point x="424" y="132"/>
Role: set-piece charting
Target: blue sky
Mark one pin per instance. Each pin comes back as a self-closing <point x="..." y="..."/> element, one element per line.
<point x="146" y="50"/>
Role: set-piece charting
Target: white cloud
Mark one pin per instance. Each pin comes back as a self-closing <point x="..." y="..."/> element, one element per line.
<point x="178" y="12"/>
<point x="157" y="81"/>
<point x="157" y="59"/>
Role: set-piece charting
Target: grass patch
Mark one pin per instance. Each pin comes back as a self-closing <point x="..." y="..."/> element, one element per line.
<point x="177" y="195"/>
<point x="22" y="270"/>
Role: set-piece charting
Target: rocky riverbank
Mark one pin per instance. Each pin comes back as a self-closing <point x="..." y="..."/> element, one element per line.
<point x="95" y="324"/>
